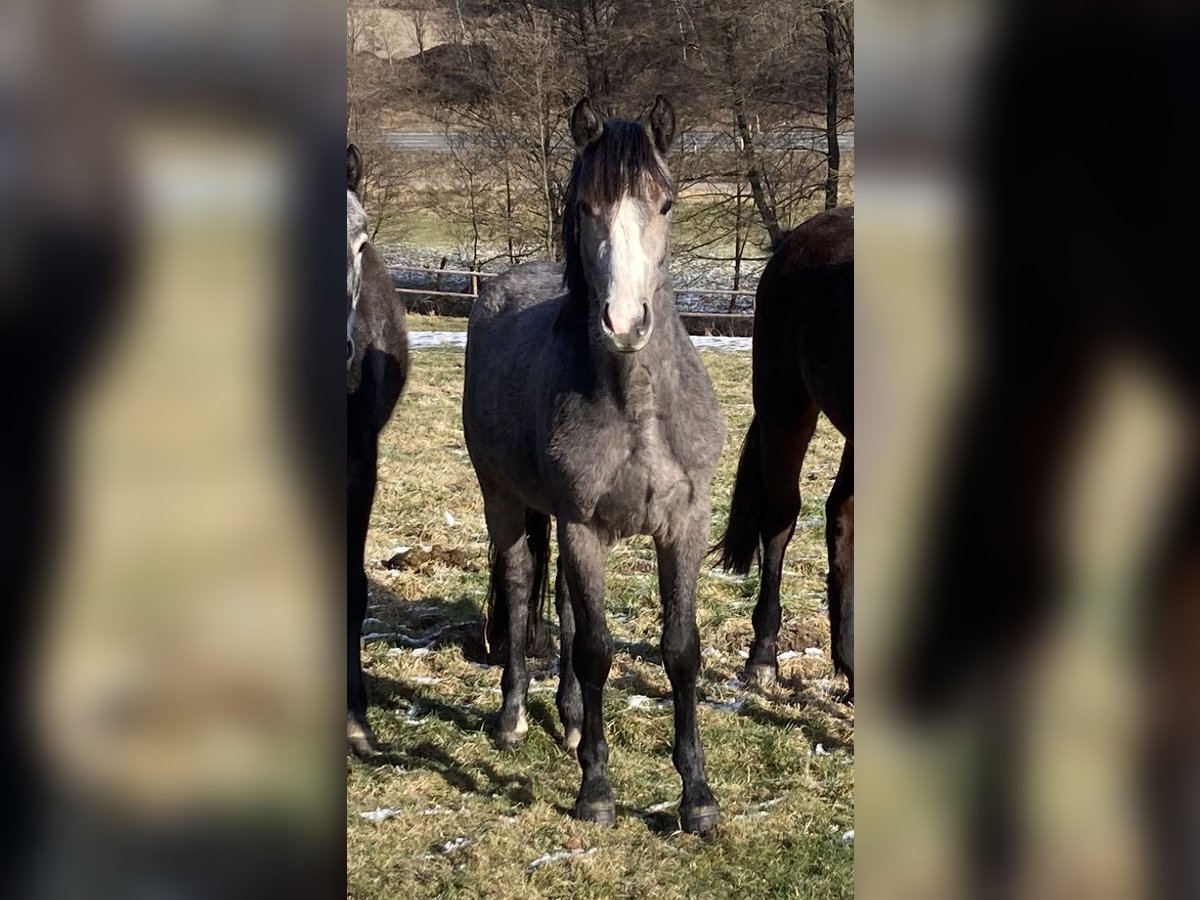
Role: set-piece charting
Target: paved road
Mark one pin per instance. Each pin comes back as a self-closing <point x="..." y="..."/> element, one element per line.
<point x="439" y="142"/>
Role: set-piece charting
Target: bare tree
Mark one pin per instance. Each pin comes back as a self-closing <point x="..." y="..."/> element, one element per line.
<point x="765" y="86"/>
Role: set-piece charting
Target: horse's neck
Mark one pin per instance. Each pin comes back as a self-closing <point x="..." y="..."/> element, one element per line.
<point x="652" y="373"/>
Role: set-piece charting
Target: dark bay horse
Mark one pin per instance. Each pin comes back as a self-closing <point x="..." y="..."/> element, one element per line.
<point x="591" y="405"/>
<point x="376" y="370"/>
<point x="803" y="359"/>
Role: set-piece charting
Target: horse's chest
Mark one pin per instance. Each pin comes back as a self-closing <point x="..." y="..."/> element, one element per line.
<point x="634" y="482"/>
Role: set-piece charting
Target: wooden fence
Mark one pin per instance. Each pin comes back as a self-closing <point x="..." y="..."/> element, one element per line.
<point x="697" y="322"/>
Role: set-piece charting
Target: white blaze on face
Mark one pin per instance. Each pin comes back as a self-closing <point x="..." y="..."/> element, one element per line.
<point x="356" y="239"/>
<point x="630" y="267"/>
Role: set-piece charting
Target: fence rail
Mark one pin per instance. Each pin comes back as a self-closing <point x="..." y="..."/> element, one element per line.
<point x="473" y="291"/>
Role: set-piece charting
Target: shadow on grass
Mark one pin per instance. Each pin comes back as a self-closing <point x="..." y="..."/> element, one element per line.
<point x="452" y="623"/>
<point x="647" y="652"/>
<point x="478" y="777"/>
<point x="543" y="712"/>
<point x="517" y="789"/>
<point x="816" y="731"/>
<point x="664" y="823"/>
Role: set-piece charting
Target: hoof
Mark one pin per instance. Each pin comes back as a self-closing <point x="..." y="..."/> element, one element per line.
<point x="699" y="819"/>
<point x="571" y="741"/>
<point x="602" y="812"/>
<point x="509" y="740"/>
<point x="360" y="738"/>
<point x="760" y="675"/>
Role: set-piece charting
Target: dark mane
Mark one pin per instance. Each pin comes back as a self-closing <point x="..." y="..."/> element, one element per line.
<point x="621" y="161"/>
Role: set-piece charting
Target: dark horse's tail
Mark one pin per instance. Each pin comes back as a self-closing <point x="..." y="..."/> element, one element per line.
<point x="740" y="541"/>
<point x="495" y="623"/>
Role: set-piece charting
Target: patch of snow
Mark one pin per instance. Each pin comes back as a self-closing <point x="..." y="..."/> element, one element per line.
<point x="381" y="814"/>
<point x="456" y="844"/>
<point x="557" y="856"/>
<point x="419" y="340"/>
<point x="734" y="705"/>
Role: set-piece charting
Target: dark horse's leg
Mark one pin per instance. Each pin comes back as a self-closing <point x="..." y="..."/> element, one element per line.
<point x="839" y="541"/>
<point x="582" y="557"/>
<point x="362" y="453"/>
<point x="513" y="576"/>
<point x="678" y="565"/>
<point x="570" y="703"/>
<point x="784" y="443"/>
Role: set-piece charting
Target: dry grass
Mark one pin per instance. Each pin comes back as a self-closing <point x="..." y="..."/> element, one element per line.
<point x="468" y="820"/>
<point x="436" y="323"/>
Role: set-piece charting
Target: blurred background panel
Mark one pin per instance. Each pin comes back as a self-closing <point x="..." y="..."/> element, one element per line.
<point x="1028" y="720"/>
<point x="169" y="261"/>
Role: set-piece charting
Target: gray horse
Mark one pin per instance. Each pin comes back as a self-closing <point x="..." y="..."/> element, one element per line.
<point x="376" y="371"/>
<point x="586" y="401"/>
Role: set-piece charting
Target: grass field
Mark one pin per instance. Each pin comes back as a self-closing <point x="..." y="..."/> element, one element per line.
<point x="456" y="818"/>
<point x="436" y="323"/>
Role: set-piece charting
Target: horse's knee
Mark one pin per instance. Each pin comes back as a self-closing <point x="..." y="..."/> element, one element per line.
<point x="681" y="653"/>
<point x="592" y="657"/>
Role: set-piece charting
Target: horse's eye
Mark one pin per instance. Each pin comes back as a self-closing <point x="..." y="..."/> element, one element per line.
<point x="666" y="207"/>
<point x="586" y="208"/>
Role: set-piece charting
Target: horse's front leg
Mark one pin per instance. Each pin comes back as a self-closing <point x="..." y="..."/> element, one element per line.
<point x="582" y="556"/>
<point x="679" y="555"/>
<point x="511" y="577"/>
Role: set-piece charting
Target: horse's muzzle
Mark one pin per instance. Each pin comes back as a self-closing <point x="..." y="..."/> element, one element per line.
<point x="626" y="333"/>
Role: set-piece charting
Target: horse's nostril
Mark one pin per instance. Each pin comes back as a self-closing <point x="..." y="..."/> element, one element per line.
<point x="607" y="321"/>
<point x="644" y="325"/>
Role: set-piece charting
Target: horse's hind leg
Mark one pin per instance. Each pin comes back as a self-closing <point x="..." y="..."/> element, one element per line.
<point x="570" y="703"/>
<point x="678" y="566"/>
<point x="582" y="557"/>
<point x="512" y="576"/>
<point x="784" y="444"/>
<point x="839" y="541"/>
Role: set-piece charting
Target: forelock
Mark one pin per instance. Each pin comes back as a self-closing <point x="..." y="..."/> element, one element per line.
<point x="623" y="160"/>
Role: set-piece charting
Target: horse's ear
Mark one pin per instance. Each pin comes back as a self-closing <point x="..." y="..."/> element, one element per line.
<point x="585" y="124"/>
<point x="354" y="169"/>
<point x="662" y="123"/>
